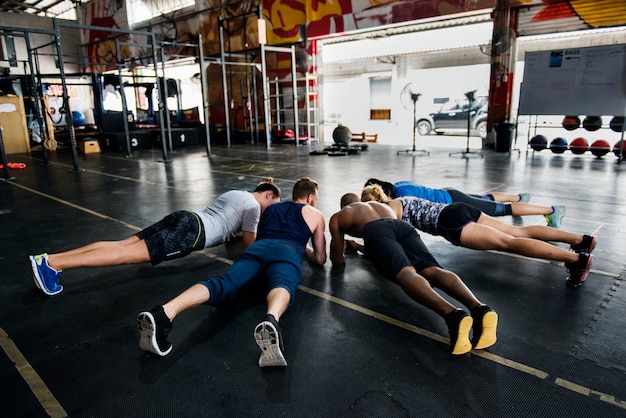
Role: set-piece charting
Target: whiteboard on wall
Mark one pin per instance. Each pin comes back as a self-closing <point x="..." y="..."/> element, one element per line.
<point x="577" y="81"/>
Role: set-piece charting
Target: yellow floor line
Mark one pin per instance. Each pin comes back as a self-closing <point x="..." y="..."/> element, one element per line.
<point x="480" y="353"/>
<point x="65" y="202"/>
<point x="30" y="376"/>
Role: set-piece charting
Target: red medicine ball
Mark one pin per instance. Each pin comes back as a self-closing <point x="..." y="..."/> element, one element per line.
<point x="571" y="123"/>
<point x="579" y="146"/>
<point x="600" y="148"/>
<point x="616" y="148"/>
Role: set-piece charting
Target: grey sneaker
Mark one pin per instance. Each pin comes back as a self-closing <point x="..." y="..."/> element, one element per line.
<point x="268" y="338"/>
<point x="524" y="197"/>
<point x="154" y="327"/>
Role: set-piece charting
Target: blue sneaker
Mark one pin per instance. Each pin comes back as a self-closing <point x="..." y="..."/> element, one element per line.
<point x="46" y="278"/>
<point x="524" y="197"/>
<point x="554" y="219"/>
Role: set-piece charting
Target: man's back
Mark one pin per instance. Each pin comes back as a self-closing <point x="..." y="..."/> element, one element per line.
<point x="284" y="221"/>
<point x="353" y="217"/>
<point x="351" y="220"/>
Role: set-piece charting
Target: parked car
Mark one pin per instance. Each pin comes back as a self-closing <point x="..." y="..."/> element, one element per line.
<point x="452" y="118"/>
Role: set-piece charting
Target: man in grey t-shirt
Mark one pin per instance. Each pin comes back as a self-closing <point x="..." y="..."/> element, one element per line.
<point x="175" y="236"/>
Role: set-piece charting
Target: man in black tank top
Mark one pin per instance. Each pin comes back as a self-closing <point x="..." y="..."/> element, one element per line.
<point x="274" y="260"/>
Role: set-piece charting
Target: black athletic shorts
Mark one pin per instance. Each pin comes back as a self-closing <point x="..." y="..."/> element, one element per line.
<point x="392" y="245"/>
<point x="453" y="218"/>
<point x="174" y="236"/>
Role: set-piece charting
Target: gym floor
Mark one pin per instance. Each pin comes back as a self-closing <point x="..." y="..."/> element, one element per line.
<point x="356" y="345"/>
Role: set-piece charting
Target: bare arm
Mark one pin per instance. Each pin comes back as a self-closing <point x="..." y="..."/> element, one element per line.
<point x="317" y="253"/>
<point x="355" y="245"/>
<point x="248" y="238"/>
<point x="337" y="242"/>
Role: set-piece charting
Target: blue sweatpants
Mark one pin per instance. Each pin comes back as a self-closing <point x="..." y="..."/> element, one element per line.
<point x="277" y="263"/>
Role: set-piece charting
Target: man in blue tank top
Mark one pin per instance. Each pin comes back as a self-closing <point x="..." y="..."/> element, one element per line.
<point x="273" y="260"/>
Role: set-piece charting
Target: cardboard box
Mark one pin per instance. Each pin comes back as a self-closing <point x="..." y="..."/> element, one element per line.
<point x="89" y="146"/>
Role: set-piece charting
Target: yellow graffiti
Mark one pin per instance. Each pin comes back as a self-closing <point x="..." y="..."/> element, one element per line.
<point x="600" y="13"/>
<point x="324" y="9"/>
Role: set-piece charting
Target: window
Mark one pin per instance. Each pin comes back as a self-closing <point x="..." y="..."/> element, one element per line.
<point x="141" y="10"/>
<point x="380" y="98"/>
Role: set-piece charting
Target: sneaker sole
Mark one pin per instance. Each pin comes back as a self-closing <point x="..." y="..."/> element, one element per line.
<point x="463" y="344"/>
<point x="570" y="283"/>
<point x="33" y="266"/>
<point x="38" y="280"/>
<point x="488" y="335"/>
<point x="266" y="337"/>
<point x="147" y="334"/>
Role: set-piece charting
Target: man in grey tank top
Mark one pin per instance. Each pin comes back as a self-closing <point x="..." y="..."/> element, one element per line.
<point x="177" y="235"/>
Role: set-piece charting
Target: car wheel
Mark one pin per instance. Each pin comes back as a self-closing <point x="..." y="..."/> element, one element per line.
<point x="481" y="128"/>
<point x="423" y="127"/>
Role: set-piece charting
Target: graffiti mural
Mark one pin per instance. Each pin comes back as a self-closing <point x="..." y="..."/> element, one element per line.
<point x="100" y="49"/>
<point x="568" y="15"/>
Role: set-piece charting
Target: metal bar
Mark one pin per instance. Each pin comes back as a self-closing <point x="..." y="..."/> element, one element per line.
<point x="205" y="99"/>
<point x="66" y="99"/>
<point x="224" y="83"/>
<point x="3" y="156"/>
<point x="266" y="97"/>
<point x="166" y="110"/>
<point x="159" y="97"/>
<point x="38" y="102"/>
<point x="129" y="150"/>
<point x="294" y="83"/>
<point x="255" y="102"/>
<point x="103" y="28"/>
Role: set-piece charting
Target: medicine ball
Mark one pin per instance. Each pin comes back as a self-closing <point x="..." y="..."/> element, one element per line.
<point x="539" y="142"/>
<point x="592" y="123"/>
<point x="579" y="146"/>
<point x="600" y="148"/>
<point x="617" y="124"/>
<point x="616" y="148"/>
<point x="558" y="145"/>
<point x="571" y="123"/>
<point x="342" y="135"/>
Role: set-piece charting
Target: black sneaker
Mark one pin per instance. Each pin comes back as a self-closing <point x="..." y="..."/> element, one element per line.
<point x="268" y="338"/>
<point x="586" y="246"/>
<point x="579" y="270"/>
<point x="485" y="325"/>
<point x="154" y="327"/>
<point x="459" y="325"/>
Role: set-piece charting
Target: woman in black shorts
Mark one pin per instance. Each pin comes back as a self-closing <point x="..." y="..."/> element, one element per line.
<point x="468" y="227"/>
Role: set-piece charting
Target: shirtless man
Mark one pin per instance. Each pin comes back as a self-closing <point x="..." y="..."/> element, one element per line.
<point x="396" y="250"/>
